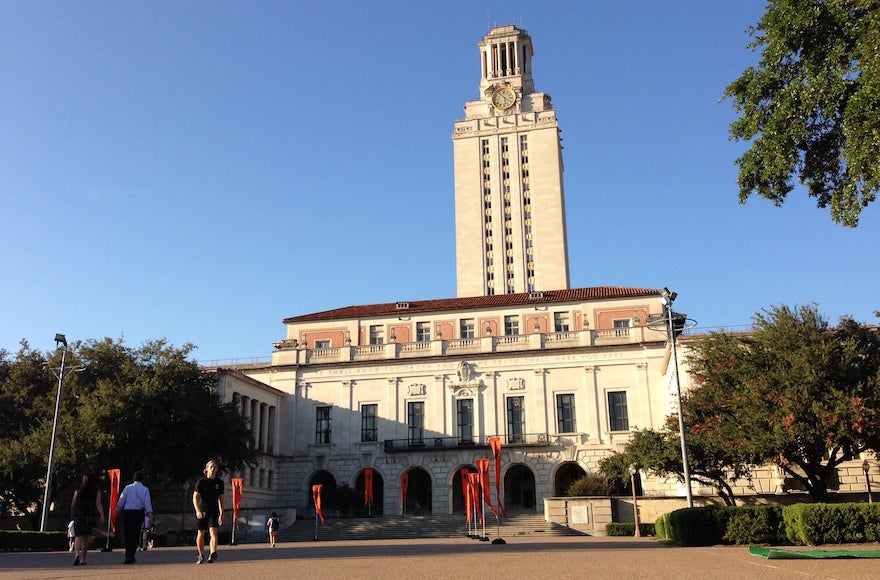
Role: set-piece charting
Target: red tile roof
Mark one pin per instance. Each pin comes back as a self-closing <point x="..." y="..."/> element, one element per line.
<point x="474" y="302"/>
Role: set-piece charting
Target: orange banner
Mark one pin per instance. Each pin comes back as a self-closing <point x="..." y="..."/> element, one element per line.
<point x="483" y="469"/>
<point x="474" y="484"/>
<point x="463" y="473"/>
<point x="404" y="484"/>
<point x="316" y="496"/>
<point x="237" y="483"/>
<point x="468" y="502"/>
<point x="368" y="485"/>
<point x="495" y="444"/>
<point x="113" y="474"/>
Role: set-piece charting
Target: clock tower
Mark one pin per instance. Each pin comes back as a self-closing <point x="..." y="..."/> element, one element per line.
<point x="509" y="202"/>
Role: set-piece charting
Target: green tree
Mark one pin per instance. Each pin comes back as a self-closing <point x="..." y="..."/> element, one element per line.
<point x="27" y="397"/>
<point x="811" y="107"/>
<point x="659" y="453"/>
<point x="794" y="392"/>
<point x="149" y="408"/>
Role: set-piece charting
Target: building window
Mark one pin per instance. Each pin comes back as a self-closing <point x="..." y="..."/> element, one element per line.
<point x="515" y="420"/>
<point x="560" y="321"/>
<point x="621" y="327"/>
<point x="565" y="421"/>
<point x="377" y="334"/>
<point x="416" y="423"/>
<point x="511" y="325"/>
<point x="466" y="328"/>
<point x="369" y="422"/>
<point x="322" y="344"/>
<point x="423" y="331"/>
<point x="322" y="425"/>
<point x="618" y="417"/>
<point x="465" y="420"/>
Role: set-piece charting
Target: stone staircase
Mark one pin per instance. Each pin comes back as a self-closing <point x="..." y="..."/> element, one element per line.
<point x="415" y="527"/>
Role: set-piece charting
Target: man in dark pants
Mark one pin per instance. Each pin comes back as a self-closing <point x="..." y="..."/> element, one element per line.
<point x="134" y="504"/>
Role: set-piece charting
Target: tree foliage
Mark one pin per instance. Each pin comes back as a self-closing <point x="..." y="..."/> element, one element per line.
<point x="811" y="107"/>
<point x="794" y="392"/>
<point x="659" y="452"/>
<point x="146" y="408"/>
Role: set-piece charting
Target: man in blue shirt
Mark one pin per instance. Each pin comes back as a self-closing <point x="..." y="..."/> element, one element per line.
<point x="134" y="504"/>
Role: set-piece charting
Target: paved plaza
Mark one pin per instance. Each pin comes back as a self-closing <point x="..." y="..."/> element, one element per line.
<point x="542" y="558"/>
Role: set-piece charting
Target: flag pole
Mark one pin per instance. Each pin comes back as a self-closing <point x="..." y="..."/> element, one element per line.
<point x="107" y="548"/>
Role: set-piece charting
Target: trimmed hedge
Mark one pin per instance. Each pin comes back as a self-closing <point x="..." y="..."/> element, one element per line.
<point x="807" y="524"/>
<point x="628" y="529"/>
<point x="27" y="541"/>
<point x="846" y="523"/>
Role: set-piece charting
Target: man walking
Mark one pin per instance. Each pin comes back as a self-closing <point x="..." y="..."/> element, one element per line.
<point x="134" y="504"/>
<point x="208" y="502"/>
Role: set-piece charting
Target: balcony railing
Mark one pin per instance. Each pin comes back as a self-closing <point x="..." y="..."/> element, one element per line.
<point x="289" y="352"/>
<point x="441" y="443"/>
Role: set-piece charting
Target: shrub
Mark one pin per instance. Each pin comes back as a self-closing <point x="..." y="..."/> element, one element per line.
<point x="628" y="529"/>
<point x="755" y="525"/>
<point x="661" y="527"/>
<point x="813" y="524"/>
<point x="703" y="526"/>
<point x="590" y="484"/>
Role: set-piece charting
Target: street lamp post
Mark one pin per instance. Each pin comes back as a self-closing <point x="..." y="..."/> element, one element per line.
<point x="59" y="340"/>
<point x="667" y="298"/>
<point x="632" y="479"/>
<point x="866" y="467"/>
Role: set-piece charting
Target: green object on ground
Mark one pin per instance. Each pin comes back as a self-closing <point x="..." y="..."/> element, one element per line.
<point x="784" y="554"/>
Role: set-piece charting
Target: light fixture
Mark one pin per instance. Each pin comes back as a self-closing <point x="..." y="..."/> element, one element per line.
<point x="866" y="467"/>
<point x="59" y="341"/>
<point x="632" y="480"/>
<point x="674" y="324"/>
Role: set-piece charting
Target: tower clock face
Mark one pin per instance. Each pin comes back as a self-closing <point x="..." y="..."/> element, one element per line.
<point x="503" y="98"/>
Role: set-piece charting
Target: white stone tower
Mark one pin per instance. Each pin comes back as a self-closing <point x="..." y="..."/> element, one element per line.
<point x="509" y="201"/>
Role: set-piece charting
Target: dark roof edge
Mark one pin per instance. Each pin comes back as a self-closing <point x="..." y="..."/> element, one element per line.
<point x="473" y="302"/>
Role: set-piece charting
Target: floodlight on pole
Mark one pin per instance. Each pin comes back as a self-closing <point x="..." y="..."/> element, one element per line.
<point x="632" y="479"/>
<point x="60" y="342"/>
<point x="675" y="324"/>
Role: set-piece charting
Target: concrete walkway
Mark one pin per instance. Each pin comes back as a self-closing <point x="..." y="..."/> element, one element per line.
<point x="538" y="558"/>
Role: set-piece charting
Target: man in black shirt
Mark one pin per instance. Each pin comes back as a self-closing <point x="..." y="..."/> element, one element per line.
<point x="208" y="501"/>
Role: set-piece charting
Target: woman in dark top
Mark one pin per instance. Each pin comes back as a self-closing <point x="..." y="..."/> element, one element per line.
<point x="85" y="509"/>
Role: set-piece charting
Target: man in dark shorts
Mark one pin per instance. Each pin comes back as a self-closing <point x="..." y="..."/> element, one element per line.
<point x="208" y="501"/>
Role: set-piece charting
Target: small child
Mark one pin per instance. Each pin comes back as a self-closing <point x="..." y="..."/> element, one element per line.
<point x="71" y="535"/>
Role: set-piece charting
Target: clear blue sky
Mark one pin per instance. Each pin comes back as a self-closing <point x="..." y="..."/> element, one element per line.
<point x="201" y="170"/>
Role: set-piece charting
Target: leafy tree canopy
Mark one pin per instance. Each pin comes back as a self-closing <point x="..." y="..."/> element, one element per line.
<point x="148" y="408"/>
<point x="795" y="392"/>
<point x="811" y="107"/>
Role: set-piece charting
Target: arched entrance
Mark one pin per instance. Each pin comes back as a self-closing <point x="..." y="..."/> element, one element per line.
<point x="328" y="491"/>
<point x="418" y="494"/>
<point x="568" y="473"/>
<point x="458" y="490"/>
<point x="377" y="505"/>
<point x="519" y="489"/>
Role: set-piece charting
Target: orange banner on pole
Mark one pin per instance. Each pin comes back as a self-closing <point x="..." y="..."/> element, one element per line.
<point x="474" y="481"/>
<point x="483" y="469"/>
<point x="468" y="498"/>
<point x="237" y="483"/>
<point x="368" y="485"/>
<point x="404" y="484"/>
<point x="113" y="474"/>
<point x="495" y="444"/>
<point x="316" y="496"/>
<point x="463" y="473"/>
